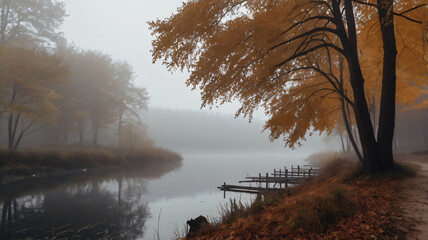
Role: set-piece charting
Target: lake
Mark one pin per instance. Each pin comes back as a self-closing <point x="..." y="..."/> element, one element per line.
<point x="131" y="203"/>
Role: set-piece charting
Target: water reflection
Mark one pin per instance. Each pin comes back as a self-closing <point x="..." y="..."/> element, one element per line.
<point x="106" y="205"/>
<point x="129" y="203"/>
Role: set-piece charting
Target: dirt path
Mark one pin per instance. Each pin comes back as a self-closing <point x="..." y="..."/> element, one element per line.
<point x="414" y="202"/>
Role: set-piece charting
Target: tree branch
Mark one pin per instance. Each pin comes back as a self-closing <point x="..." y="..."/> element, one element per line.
<point x="294" y="56"/>
<point x="396" y="14"/>
<point x="308" y="33"/>
<point x="329" y="19"/>
<point x="413" y="8"/>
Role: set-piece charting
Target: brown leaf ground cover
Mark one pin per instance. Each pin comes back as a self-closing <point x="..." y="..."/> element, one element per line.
<point x="337" y="205"/>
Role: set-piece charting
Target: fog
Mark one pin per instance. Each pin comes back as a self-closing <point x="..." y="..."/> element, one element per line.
<point x="201" y="131"/>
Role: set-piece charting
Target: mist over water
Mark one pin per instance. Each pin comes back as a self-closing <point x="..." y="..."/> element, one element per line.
<point x="215" y="149"/>
<point x="188" y="131"/>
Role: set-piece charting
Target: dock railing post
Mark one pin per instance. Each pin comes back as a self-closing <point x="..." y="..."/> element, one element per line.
<point x="310" y="172"/>
<point x="286" y="177"/>
<point x="274" y="172"/>
<point x="298" y="170"/>
<point x="267" y="183"/>
<point x="260" y="180"/>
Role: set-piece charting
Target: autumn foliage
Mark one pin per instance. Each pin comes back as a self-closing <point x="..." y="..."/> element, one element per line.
<point x="286" y="57"/>
<point x="47" y="84"/>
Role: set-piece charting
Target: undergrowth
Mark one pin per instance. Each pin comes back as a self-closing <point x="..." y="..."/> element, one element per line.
<point x="234" y="210"/>
<point x="315" y="213"/>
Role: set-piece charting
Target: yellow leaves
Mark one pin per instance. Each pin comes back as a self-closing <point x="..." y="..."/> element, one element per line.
<point x="26" y="77"/>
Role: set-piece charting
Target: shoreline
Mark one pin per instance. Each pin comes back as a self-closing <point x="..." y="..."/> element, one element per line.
<point x="325" y="208"/>
<point x="55" y="162"/>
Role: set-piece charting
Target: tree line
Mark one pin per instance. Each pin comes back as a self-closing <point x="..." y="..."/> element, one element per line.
<point x="44" y="81"/>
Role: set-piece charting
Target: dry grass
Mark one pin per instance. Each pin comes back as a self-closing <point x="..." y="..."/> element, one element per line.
<point x="32" y="161"/>
<point x="315" y="213"/>
<point x="340" y="204"/>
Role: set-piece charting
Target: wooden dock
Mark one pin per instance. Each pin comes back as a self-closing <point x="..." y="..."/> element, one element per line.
<point x="279" y="179"/>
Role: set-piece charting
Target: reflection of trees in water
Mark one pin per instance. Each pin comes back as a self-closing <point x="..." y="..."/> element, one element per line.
<point x="88" y="212"/>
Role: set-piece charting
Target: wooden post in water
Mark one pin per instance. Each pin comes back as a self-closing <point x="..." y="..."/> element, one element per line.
<point x="274" y="172"/>
<point x="298" y="170"/>
<point x="224" y="190"/>
<point x="310" y="172"/>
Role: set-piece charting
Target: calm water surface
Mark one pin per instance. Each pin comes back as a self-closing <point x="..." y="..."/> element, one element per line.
<point x="130" y="204"/>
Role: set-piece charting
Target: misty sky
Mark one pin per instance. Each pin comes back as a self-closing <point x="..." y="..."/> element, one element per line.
<point x="119" y="28"/>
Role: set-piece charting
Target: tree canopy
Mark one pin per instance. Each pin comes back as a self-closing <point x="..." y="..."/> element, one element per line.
<point x="30" y="21"/>
<point x="27" y="98"/>
<point x="284" y="55"/>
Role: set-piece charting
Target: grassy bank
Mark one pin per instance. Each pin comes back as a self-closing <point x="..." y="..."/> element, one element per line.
<point x="339" y="204"/>
<point x="28" y="162"/>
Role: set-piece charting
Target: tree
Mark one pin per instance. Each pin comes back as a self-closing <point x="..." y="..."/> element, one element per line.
<point x="93" y="75"/>
<point x="283" y="56"/>
<point x="25" y="76"/>
<point x="132" y="99"/>
<point x="30" y="21"/>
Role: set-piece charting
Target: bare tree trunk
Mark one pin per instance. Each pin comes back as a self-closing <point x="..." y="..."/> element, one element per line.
<point x="341" y="141"/>
<point x="81" y="132"/>
<point x="95" y="138"/>
<point x="9" y="130"/>
<point x="119" y="131"/>
<point x="12" y="124"/>
<point x="345" y="115"/>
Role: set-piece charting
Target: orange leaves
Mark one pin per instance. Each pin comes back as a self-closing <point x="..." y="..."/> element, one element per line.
<point x="282" y="56"/>
<point x="411" y="66"/>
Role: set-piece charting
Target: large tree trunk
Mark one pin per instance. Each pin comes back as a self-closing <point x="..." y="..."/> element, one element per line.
<point x="387" y="101"/>
<point x="364" y="124"/>
<point x="362" y="116"/>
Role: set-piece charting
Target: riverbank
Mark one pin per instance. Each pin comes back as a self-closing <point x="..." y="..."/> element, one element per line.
<point x="54" y="161"/>
<point x="337" y="205"/>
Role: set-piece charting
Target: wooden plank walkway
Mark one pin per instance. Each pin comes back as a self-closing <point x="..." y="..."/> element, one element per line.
<point x="279" y="179"/>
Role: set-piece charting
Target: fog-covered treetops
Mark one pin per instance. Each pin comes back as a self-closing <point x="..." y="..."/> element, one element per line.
<point x="46" y="83"/>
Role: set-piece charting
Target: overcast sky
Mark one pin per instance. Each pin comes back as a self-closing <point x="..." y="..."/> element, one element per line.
<point x="119" y="28"/>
